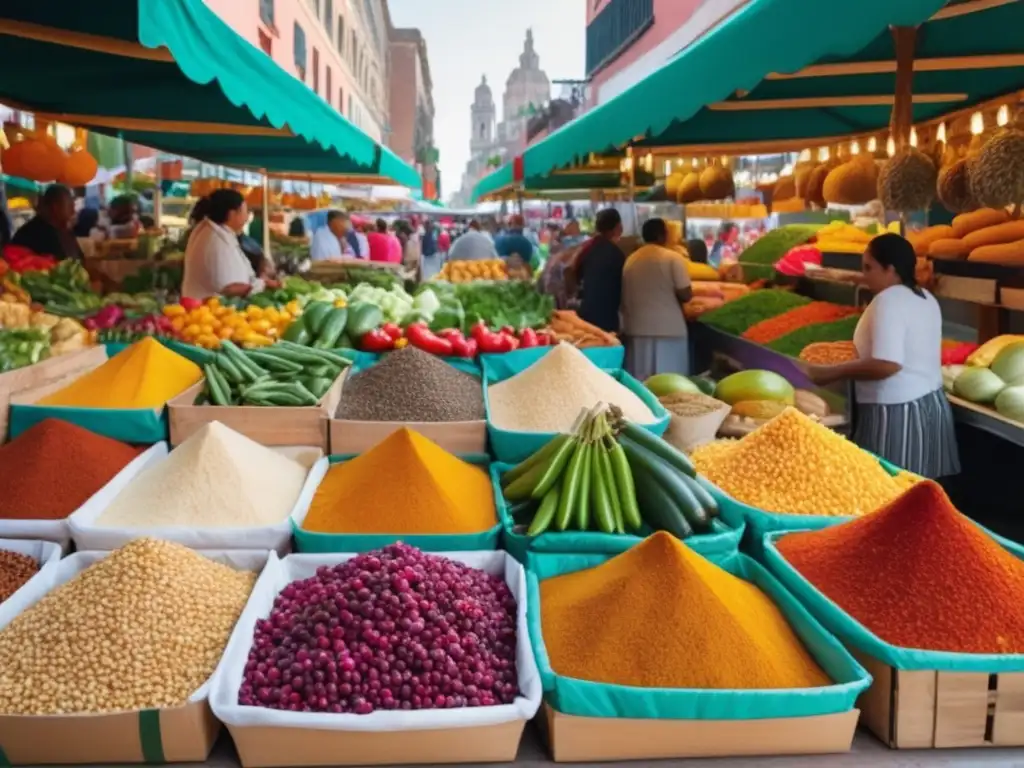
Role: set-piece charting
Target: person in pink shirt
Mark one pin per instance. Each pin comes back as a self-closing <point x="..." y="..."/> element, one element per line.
<point x="378" y="240"/>
<point x="444" y="241"/>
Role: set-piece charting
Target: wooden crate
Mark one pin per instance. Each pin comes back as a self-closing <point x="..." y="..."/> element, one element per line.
<point x="50" y="370"/>
<point x="457" y="437"/>
<point x="929" y="709"/>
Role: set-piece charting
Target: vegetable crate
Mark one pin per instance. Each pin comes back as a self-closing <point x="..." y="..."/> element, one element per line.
<point x="458" y="437"/>
<point x="931" y="709"/>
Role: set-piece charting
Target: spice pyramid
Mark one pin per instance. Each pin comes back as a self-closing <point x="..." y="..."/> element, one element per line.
<point x="794" y="465"/>
<point x="51" y="469"/>
<point x="918" y="574"/>
<point x="406" y="484"/>
<point x="145" y="375"/>
<point x="549" y="395"/>
<point x="215" y="479"/>
<point x="661" y="616"/>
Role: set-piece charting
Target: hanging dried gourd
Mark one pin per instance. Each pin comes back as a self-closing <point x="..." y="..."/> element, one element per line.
<point x="36" y="157"/>
<point x="802" y="176"/>
<point x="953" y="187"/>
<point x="785" y="188"/>
<point x="716" y="182"/>
<point x="689" y="187"/>
<point x="997" y="173"/>
<point x="673" y="182"/>
<point x="906" y="181"/>
<point x="852" y="181"/>
<point x="80" y="167"/>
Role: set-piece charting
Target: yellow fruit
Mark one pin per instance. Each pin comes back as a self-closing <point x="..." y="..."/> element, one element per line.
<point x="254" y="312"/>
<point x="284" y="318"/>
<point x="192" y="331"/>
<point x="174" y="310"/>
<point x="206" y="329"/>
<point x="213" y="302"/>
<point x="260" y="326"/>
<point x="293" y="308"/>
<point x="226" y="333"/>
<point x="178" y="324"/>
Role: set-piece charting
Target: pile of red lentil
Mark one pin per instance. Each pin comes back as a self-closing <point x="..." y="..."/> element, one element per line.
<point x="918" y="574"/>
<point x="15" y="570"/>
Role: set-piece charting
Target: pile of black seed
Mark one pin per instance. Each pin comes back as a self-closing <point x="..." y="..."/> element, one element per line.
<point x="412" y="385"/>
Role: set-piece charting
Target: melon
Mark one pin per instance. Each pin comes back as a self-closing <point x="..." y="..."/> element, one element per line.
<point x="978" y="385"/>
<point x="662" y="384"/>
<point x="1010" y="403"/>
<point x="754" y="385"/>
<point x="1009" y="363"/>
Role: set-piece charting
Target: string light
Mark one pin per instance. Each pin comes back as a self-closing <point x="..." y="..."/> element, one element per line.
<point x="940" y="135"/>
<point x="855" y="148"/>
<point x="823" y="154"/>
<point x="913" y="137"/>
<point x="872" y="145"/>
<point x="668" y="167"/>
<point x="805" y="156"/>
<point x="977" y="124"/>
<point x="693" y="163"/>
<point x="1003" y="116"/>
<point x="890" y="147"/>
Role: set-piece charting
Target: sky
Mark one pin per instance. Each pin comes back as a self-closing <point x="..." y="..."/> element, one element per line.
<point x="470" y="38"/>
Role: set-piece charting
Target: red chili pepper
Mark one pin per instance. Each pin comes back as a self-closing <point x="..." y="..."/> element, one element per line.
<point x="376" y="341"/>
<point x="496" y="343"/>
<point x="544" y="339"/>
<point x="189" y="303"/>
<point x="393" y="331"/>
<point x="508" y="329"/>
<point x="421" y="337"/>
<point x="479" y="331"/>
<point x="528" y="338"/>
<point x="451" y="334"/>
<point x="464" y="347"/>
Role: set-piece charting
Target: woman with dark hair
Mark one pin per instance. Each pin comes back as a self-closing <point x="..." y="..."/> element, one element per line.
<point x="901" y="412"/>
<point x="596" y="273"/>
<point x="214" y="260"/>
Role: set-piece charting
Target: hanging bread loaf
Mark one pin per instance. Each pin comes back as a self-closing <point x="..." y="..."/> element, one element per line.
<point x="948" y="248"/>
<point x="966" y="223"/>
<point x="1007" y="232"/>
<point x="923" y="239"/>
<point x="1008" y="254"/>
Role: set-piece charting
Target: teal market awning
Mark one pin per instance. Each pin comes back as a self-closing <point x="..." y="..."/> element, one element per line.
<point x="494" y="183"/>
<point x="779" y="74"/>
<point x="170" y="74"/>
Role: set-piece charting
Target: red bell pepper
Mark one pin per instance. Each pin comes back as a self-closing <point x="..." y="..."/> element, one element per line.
<point x="528" y="339"/>
<point x="496" y="343"/>
<point x="464" y="348"/>
<point x="190" y="304"/>
<point x="393" y="331"/>
<point x="376" y="341"/>
<point x="421" y="337"/>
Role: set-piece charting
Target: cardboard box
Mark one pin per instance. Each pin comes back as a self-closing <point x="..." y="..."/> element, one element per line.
<point x="266" y="425"/>
<point x="60" y="368"/>
<point x="184" y="734"/>
<point x="456" y="437"/>
<point x="929" y="709"/>
<point x="574" y="739"/>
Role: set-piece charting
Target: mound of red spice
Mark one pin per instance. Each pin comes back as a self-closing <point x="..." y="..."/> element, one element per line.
<point x="918" y="574"/>
<point x="51" y="469"/>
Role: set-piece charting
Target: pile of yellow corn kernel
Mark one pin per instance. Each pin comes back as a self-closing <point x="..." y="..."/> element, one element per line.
<point x="793" y="465"/>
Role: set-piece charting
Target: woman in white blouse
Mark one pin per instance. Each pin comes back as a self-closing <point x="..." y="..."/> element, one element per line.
<point x="901" y="411"/>
<point x="214" y="261"/>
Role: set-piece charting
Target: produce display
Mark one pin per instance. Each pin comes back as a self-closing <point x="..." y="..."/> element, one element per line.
<point x="555" y="389"/>
<point x="793" y="465"/>
<point x="158" y="618"/>
<point x="794" y="343"/>
<point x="28" y="336"/>
<point x="217" y="478"/>
<point x="741" y="313"/>
<point x="414" y="631"/>
<point x="438" y="493"/>
<point x="514" y="304"/>
<point x="206" y="324"/>
<point x="817" y="312"/>
<point x="994" y="375"/>
<point x="410" y="385"/>
<point x="285" y="375"/>
<point x="688" y="404"/>
<point x="610" y="476"/>
<point x="145" y="375"/>
<point x="15" y="570"/>
<point x="53" y="467"/>
<point x="569" y="327"/>
<point x="18" y="258"/>
<point x="468" y="271"/>
<point x="711" y="295"/>
<point x="608" y="624"/>
<point x="840" y="237"/>
<point x="63" y="290"/>
<point x="959" y="590"/>
<point x="754" y="384"/>
<point x="21" y="348"/>
<point x="112" y="326"/>
<point x="774" y="244"/>
<point x="828" y="352"/>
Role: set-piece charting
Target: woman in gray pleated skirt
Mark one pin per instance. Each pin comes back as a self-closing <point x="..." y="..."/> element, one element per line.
<point x="901" y="412"/>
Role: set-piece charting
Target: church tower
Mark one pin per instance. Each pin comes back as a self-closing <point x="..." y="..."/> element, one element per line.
<point x="483" y="116"/>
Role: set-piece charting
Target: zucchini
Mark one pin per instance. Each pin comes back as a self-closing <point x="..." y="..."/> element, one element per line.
<point x="599" y="500"/>
<point x="669" y="478"/>
<point x="705" y="499"/>
<point x="331" y="329"/>
<point x="298" y="333"/>
<point x="570" y="488"/>
<point x="625" y="486"/>
<point x="363" y="317"/>
<point x="230" y="370"/>
<point x="583" y="494"/>
<point x="544" y="452"/>
<point x="659" y="509"/>
<point x="668" y="453"/>
<point x="545" y="513"/>
<point x="216" y="388"/>
<point x="315" y="315"/>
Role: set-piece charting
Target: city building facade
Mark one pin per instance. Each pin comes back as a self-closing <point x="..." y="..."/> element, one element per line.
<point x="493" y="142"/>
<point x="411" y="107"/>
<point x="339" y="48"/>
<point x="629" y="39"/>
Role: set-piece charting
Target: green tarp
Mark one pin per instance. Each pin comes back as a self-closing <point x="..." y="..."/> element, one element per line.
<point x="212" y="76"/>
<point x="556" y="183"/>
<point x="732" y="62"/>
<point x="494" y="182"/>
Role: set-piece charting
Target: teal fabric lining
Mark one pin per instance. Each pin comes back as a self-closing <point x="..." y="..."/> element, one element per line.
<point x="485" y="541"/>
<point x="512" y="447"/>
<point x="150" y="736"/>
<point x="723" y="542"/>
<point x="855" y="635"/>
<point x="589" y="699"/>
<point x="142" y="426"/>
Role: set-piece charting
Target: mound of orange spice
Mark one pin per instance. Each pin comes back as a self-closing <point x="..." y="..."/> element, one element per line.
<point x="809" y="314"/>
<point x="918" y="574"/>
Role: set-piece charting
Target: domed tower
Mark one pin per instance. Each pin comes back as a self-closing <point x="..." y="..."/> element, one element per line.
<point x="484" y="116"/>
<point x="527" y="91"/>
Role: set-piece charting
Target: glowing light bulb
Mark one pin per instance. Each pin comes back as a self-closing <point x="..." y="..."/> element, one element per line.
<point x="890" y="147"/>
<point x="913" y="137"/>
<point x="1003" y="116"/>
<point x="693" y="163"/>
<point x="977" y="124"/>
<point x="668" y="167"/>
<point x="855" y="148"/>
<point x="823" y="154"/>
<point x="872" y="145"/>
<point x="940" y="135"/>
<point x="805" y="156"/>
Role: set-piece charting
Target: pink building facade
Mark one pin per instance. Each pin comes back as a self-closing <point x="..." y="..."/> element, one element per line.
<point x="629" y="39"/>
<point x="337" y="47"/>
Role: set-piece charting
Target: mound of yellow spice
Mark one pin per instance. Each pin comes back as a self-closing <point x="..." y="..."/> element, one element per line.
<point x="406" y="484"/>
<point x="661" y="616"/>
<point x="145" y="375"/>
<point x="793" y="465"/>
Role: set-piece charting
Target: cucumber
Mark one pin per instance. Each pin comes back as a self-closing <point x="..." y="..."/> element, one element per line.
<point x="669" y="478"/>
<point x="546" y="512"/>
<point x="248" y="368"/>
<point x="542" y="453"/>
<point x="599" y="499"/>
<point x="273" y="363"/>
<point x="298" y="333"/>
<point x="570" y="488"/>
<point x="315" y="315"/>
<point x="668" y="453"/>
<point x="230" y="370"/>
<point x="705" y="499"/>
<point x="583" y="495"/>
<point x="363" y="318"/>
<point x="218" y="392"/>
<point x="331" y="329"/>
<point x="659" y="509"/>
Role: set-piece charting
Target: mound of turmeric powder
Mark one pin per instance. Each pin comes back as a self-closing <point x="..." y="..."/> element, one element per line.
<point x="661" y="616"/>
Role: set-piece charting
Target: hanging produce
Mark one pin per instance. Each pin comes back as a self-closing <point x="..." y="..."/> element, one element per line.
<point x="855" y="182"/>
<point x="953" y="186"/>
<point x="80" y="167"/>
<point x="997" y="174"/>
<point x="815" y="192"/>
<point x="612" y="476"/>
<point x="689" y="188"/>
<point x="716" y="182"/>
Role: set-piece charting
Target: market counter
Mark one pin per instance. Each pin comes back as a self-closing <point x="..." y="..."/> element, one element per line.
<point x="987" y="420"/>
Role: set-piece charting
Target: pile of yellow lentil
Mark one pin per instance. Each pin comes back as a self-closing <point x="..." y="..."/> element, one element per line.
<point x="793" y="465"/>
<point x="142" y="628"/>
